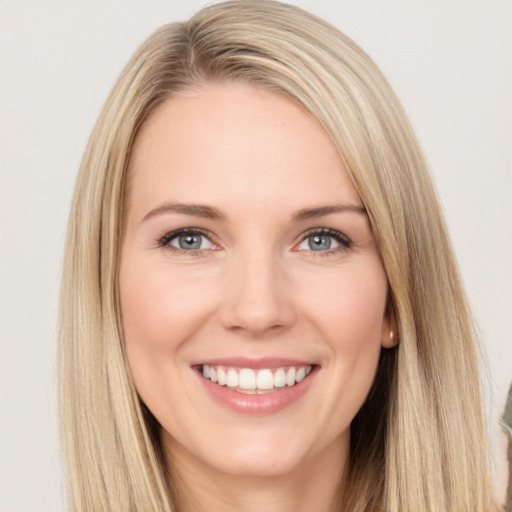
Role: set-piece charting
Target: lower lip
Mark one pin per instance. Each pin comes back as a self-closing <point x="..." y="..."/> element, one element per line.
<point x="267" y="403"/>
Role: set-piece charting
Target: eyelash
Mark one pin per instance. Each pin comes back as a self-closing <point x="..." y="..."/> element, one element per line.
<point x="167" y="238"/>
<point x="344" y="242"/>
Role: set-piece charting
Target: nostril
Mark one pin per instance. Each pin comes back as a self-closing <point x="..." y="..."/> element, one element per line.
<point x="258" y="318"/>
<point x="256" y="298"/>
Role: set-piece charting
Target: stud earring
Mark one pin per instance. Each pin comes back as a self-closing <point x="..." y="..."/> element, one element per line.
<point x="391" y="335"/>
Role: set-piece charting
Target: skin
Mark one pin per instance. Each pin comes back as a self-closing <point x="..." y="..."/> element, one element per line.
<point x="254" y="289"/>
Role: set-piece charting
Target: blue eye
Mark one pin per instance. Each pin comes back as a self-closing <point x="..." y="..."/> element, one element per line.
<point x="319" y="242"/>
<point x="187" y="240"/>
<point x="324" y="240"/>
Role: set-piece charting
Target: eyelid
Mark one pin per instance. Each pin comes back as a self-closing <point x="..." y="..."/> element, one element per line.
<point x="171" y="235"/>
<point x="342" y="239"/>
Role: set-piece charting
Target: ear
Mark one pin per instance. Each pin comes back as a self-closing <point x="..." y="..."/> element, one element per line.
<point x="389" y="336"/>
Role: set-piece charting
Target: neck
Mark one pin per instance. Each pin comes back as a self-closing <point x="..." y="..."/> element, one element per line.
<point x="316" y="486"/>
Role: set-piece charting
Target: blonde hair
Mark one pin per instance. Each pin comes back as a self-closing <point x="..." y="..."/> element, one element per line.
<point x="418" y="442"/>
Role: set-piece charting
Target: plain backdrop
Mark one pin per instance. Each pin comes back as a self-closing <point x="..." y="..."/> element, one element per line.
<point x="450" y="62"/>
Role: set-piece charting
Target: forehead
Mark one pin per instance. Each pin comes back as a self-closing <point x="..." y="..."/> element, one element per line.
<point x="238" y="140"/>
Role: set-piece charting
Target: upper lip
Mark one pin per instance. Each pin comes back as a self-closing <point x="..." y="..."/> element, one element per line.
<point x="255" y="364"/>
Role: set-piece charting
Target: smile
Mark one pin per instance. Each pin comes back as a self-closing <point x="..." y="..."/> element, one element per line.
<point x="261" y="381"/>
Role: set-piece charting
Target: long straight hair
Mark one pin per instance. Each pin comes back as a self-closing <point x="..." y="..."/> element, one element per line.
<point x="418" y="443"/>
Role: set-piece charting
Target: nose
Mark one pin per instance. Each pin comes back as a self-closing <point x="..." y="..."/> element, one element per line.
<point x="257" y="297"/>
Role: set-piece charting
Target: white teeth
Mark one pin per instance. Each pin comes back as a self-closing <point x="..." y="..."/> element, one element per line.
<point x="232" y="379"/>
<point x="290" y="377"/>
<point x="265" y="379"/>
<point x="221" y="377"/>
<point x="247" y="379"/>
<point x="279" y="378"/>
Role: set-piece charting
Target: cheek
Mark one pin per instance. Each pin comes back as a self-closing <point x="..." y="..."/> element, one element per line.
<point x="349" y="308"/>
<point x="160" y="313"/>
<point x="348" y="314"/>
<point x="159" y="308"/>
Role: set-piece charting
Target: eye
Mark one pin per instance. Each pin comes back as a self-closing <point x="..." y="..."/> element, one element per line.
<point x="324" y="240"/>
<point x="187" y="240"/>
<point x="319" y="242"/>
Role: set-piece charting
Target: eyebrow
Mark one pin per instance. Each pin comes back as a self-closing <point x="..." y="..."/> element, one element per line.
<point x="210" y="212"/>
<point x="195" y="210"/>
<point x="320" y="211"/>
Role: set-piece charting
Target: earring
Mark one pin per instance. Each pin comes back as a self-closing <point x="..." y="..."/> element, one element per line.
<point x="391" y="335"/>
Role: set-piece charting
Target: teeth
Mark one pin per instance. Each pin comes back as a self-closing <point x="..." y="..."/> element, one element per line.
<point x="221" y="377"/>
<point x="265" y="379"/>
<point x="280" y="378"/>
<point x="290" y="377"/>
<point x="232" y="379"/>
<point x="247" y="379"/>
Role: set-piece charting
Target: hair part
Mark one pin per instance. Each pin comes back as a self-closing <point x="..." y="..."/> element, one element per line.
<point x="407" y="451"/>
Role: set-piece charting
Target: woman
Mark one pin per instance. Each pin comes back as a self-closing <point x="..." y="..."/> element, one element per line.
<point x="260" y="307"/>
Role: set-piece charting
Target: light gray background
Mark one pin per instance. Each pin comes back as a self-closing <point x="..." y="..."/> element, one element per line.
<point x="450" y="62"/>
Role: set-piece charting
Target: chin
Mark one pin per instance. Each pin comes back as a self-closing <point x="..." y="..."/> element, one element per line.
<point x="258" y="464"/>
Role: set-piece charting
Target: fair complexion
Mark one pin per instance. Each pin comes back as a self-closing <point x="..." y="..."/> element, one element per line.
<point x="246" y="249"/>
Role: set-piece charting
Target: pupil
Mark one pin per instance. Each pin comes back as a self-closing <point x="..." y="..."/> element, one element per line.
<point x="319" y="242"/>
<point x="190" y="241"/>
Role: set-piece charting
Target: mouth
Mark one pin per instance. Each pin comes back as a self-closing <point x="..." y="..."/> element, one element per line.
<point x="255" y="381"/>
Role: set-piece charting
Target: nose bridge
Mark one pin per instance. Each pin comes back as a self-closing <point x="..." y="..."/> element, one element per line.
<point x="257" y="294"/>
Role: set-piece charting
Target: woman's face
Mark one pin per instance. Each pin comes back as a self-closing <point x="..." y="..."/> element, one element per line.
<point x="253" y="297"/>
